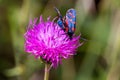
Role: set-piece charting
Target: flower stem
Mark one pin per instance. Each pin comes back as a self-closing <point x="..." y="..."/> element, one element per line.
<point x="46" y="75"/>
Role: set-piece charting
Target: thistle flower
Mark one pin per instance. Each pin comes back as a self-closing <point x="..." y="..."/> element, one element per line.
<point x="48" y="41"/>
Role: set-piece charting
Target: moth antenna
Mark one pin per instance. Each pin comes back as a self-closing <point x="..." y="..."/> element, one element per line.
<point x="58" y="11"/>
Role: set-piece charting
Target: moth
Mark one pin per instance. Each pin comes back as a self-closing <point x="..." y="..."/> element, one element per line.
<point x="68" y="22"/>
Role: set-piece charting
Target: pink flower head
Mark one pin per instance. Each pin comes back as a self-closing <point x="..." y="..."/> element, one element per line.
<point x="48" y="41"/>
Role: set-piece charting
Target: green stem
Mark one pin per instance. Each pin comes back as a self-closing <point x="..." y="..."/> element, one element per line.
<point x="46" y="75"/>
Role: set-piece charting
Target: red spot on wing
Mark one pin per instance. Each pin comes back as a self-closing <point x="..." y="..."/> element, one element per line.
<point x="66" y="22"/>
<point x="66" y="29"/>
<point x="73" y="29"/>
<point x="74" y="22"/>
<point x="66" y="26"/>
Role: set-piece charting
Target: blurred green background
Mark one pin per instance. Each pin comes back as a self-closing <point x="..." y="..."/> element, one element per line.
<point x="97" y="20"/>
